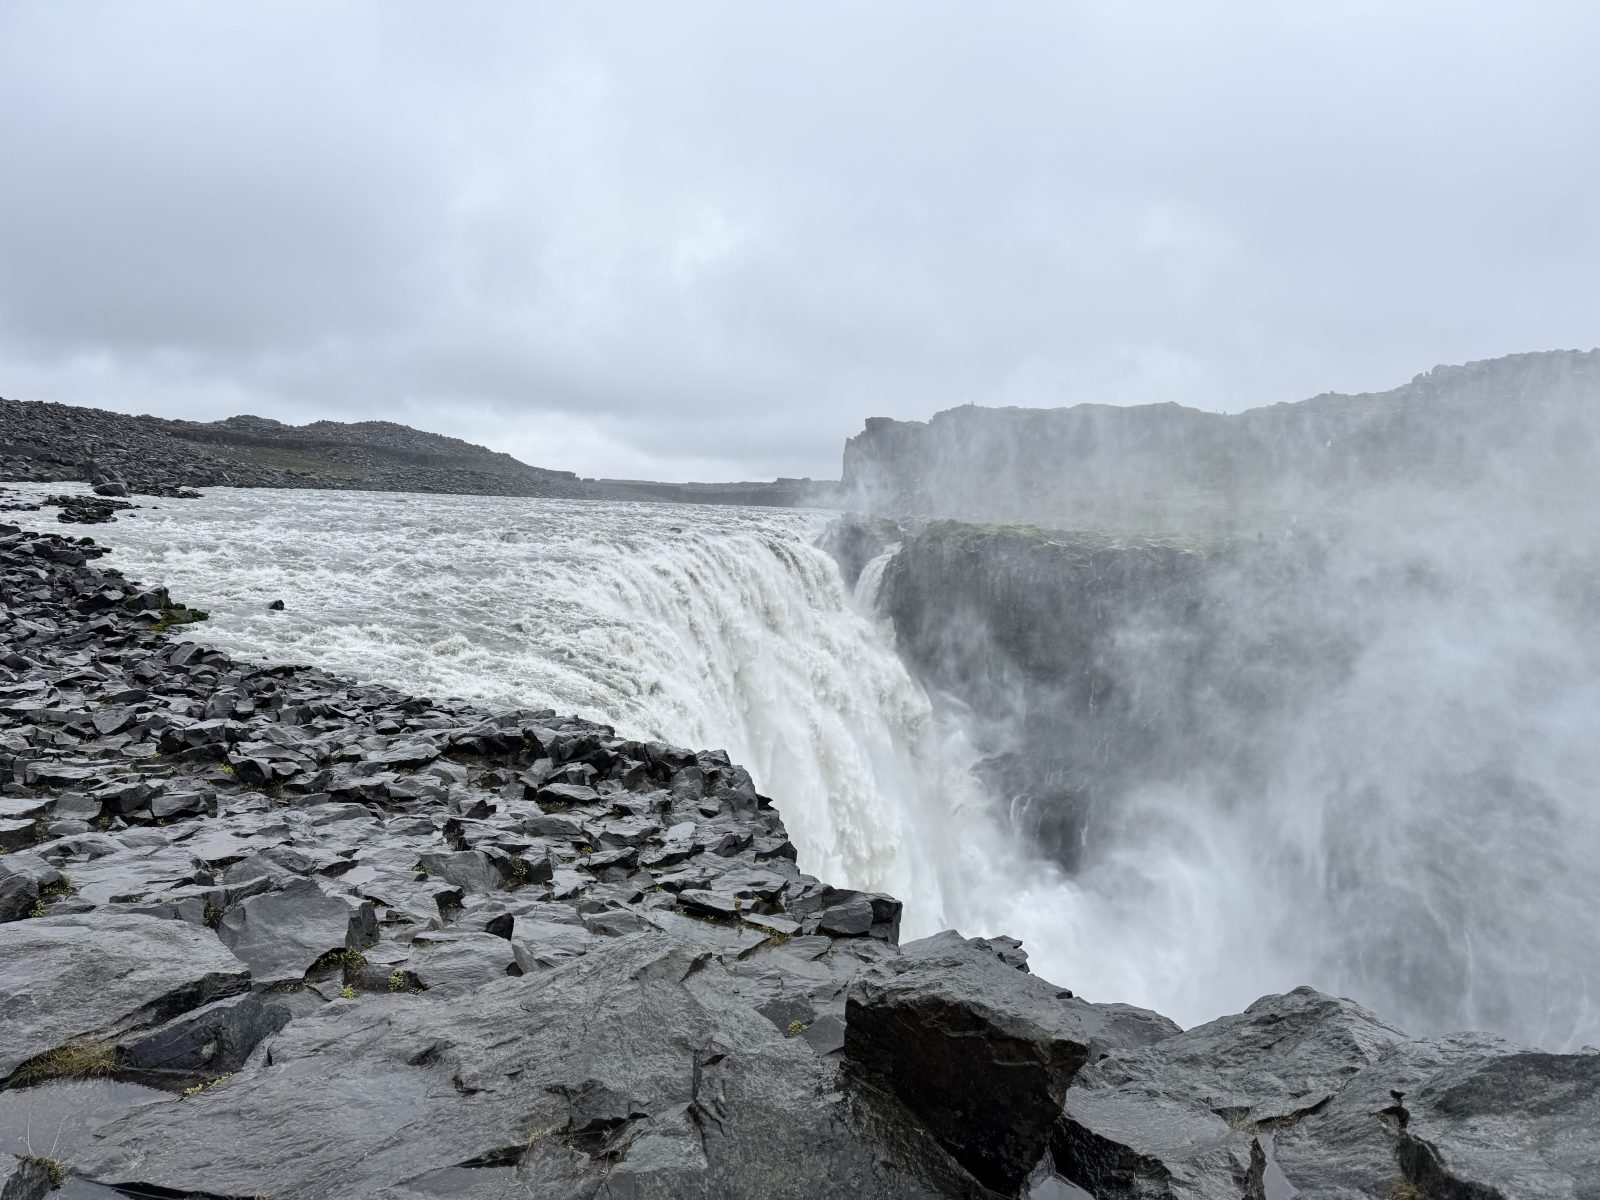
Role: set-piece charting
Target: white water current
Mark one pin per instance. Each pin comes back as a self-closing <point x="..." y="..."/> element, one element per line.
<point x="726" y="628"/>
<point x="705" y="626"/>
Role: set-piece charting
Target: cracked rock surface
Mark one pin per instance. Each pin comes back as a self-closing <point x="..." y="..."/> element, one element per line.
<point x="348" y="942"/>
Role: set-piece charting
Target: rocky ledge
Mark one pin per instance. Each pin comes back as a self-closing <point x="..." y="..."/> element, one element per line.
<point x="266" y="932"/>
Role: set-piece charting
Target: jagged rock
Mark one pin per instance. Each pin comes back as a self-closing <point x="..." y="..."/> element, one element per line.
<point x="23" y="880"/>
<point x="452" y="963"/>
<point x="281" y="935"/>
<point x="982" y="1053"/>
<point x="202" y="1044"/>
<point x="469" y="870"/>
<point x="664" y="1087"/>
<point x="91" y="977"/>
<point x="15" y="835"/>
<point x="1301" y="1085"/>
<point x="1007" y="950"/>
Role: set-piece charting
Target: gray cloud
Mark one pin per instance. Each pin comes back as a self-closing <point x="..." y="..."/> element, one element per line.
<point x="705" y="240"/>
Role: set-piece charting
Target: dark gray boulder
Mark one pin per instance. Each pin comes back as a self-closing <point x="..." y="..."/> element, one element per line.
<point x="1545" y="1106"/>
<point x="982" y="1053"/>
<point x="199" y="1046"/>
<point x="281" y="935"/>
<point x="1300" y="1089"/>
<point x="24" y="878"/>
<point x="93" y="977"/>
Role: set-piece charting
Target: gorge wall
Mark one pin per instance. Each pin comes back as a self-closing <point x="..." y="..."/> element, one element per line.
<point x="1165" y="466"/>
<point x="1344" y="732"/>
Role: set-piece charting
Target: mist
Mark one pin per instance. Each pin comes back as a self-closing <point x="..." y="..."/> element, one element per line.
<point x="1323" y="706"/>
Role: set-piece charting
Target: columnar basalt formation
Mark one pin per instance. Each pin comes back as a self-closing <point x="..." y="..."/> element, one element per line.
<point x="356" y="943"/>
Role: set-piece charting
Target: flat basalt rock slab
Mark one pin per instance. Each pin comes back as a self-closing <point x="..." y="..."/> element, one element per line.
<point x="1300" y="1088"/>
<point x="282" y="934"/>
<point x="91" y="976"/>
<point x="608" y="1068"/>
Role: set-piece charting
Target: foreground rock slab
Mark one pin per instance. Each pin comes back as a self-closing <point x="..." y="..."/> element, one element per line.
<point x="1296" y="1097"/>
<point x="87" y="979"/>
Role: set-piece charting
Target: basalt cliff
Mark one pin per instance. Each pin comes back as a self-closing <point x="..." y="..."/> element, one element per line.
<point x="1164" y="467"/>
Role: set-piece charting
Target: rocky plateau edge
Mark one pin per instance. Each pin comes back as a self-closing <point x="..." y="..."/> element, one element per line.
<point x="357" y="943"/>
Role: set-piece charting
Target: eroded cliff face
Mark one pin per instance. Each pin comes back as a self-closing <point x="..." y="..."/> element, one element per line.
<point x="1368" y="748"/>
<point x="1164" y="467"/>
<point x="1081" y="660"/>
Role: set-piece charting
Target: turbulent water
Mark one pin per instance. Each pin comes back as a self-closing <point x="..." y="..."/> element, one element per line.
<point x="704" y="626"/>
<point x="726" y="628"/>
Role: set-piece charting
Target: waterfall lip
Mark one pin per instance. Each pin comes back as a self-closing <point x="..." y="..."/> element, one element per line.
<point x="731" y="628"/>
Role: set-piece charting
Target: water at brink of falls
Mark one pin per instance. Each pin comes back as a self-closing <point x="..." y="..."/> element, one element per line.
<point x="726" y="628"/>
<point x="704" y="626"/>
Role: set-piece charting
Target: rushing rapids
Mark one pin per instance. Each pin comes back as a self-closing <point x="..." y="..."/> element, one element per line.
<point x="717" y="626"/>
<point x="728" y="627"/>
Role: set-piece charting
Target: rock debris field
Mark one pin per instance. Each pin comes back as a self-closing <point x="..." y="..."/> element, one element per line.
<point x="267" y="932"/>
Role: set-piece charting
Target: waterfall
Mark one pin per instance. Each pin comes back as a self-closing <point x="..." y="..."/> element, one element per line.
<point x="727" y="628"/>
<point x="708" y="627"/>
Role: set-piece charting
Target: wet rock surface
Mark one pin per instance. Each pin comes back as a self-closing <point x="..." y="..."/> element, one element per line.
<point x="370" y="944"/>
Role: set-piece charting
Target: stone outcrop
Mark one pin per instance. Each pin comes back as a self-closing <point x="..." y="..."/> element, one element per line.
<point x="1303" y="1095"/>
<point x="1166" y="467"/>
<point x="352" y="943"/>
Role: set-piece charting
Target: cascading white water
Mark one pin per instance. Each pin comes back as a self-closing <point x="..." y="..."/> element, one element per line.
<point x="703" y="626"/>
<point x="726" y="628"/>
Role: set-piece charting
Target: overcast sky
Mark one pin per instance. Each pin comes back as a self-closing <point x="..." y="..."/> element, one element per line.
<point x="685" y="240"/>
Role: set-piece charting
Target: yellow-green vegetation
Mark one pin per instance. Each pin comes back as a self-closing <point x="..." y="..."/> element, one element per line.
<point x="226" y="768"/>
<point x="796" y="1028"/>
<point x="1406" y="1190"/>
<point x="347" y="992"/>
<point x="173" y="615"/>
<point x="203" y="1087"/>
<point x="75" y="1060"/>
<point x="349" y="963"/>
<point x="519" y="874"/>
<point x="397" y="981"/>
<point x="53" y="1167"/>
<point x="61" y="887"/>
<point x="1239" y="1119"/>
